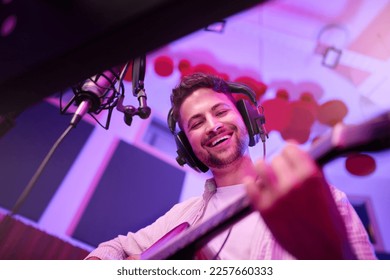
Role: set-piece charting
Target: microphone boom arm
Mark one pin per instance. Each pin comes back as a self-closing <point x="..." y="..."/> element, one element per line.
<point x="129" y="111"/>
<point x="143" y="110"/>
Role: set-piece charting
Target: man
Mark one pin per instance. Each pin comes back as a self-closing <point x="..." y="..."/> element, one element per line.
<point x="298" y="214"/>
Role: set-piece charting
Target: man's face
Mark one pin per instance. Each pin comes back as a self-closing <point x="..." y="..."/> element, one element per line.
<point x="214" y="128"/>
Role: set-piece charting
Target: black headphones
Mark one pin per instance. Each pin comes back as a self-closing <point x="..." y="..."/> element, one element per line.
<point x="253" y="119"/>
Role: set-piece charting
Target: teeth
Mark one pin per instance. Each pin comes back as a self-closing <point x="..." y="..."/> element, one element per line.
<point x="219" y="140"/>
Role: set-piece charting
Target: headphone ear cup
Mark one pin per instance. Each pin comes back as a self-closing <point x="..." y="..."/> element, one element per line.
<point x="252" y="119"/>
<point x="185" y="154"/>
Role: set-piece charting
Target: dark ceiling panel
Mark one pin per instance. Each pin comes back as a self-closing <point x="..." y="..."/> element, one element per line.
<point x="56" y="44"/>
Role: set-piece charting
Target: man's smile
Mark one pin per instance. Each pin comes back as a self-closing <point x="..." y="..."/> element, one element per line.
<point x="220" y="139"/>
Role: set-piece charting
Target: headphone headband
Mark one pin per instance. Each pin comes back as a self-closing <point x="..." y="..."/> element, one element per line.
<point x="244" y="89"/>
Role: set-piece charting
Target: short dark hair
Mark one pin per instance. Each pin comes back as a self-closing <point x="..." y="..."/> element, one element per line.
<point x="193" y="82"/>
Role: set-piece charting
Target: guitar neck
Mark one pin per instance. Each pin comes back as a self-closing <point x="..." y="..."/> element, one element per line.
<point x="184" y="246"/>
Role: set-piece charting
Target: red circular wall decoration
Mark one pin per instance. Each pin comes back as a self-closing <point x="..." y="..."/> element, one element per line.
<point x="204" y="68"/>
<point x="258" y="87"/>
<point x="332" y="112"/>
<point x="277" y="113"/>
<point x="163" y="66"/>
<point x="299" y="124"/>
<point x="360" y="164"/>
<point x="184" y="67"/>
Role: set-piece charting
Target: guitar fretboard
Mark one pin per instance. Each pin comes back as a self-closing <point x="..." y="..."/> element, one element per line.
<point x="184" y="246"/>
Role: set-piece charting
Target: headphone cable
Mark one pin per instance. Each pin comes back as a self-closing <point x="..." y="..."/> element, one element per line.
<point x="223" y="244"/>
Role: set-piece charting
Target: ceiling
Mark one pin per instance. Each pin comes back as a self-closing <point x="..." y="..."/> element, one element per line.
<point x="47" y="46"/>
<point x="333" y="49"/>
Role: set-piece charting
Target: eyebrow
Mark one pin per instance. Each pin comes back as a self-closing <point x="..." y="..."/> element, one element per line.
<point x="214" y="108"/>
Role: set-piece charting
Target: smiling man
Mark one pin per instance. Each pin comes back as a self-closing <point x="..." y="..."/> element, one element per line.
<point x="217" y="134"/>
<point x="297" y="214"/>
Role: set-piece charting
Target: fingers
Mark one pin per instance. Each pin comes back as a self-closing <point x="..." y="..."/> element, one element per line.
<point x="293" y="166"/>
<point x="287" y="171"/>
<point x="297" y="158"/>
<point x="260" y="190"/>
<point x="252" y="190"/>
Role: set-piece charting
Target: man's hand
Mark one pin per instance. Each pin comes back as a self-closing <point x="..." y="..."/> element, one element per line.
<point x="295" y="202"/>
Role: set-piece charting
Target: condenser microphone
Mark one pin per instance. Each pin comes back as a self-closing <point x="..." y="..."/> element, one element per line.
<point x="95" y="94"/>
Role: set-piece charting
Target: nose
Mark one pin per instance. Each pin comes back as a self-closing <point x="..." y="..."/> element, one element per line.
<point x="213" y="125"/>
